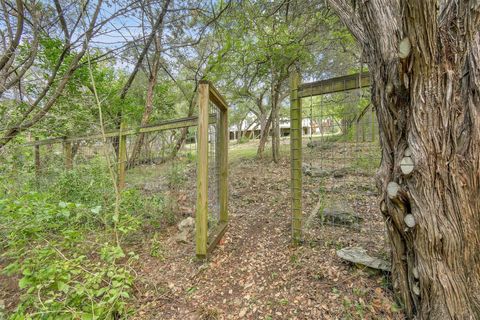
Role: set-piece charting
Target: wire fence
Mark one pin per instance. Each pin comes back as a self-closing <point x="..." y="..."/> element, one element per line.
<point x="156" y="175"/>
<point x="213" y="171"/>
<point x="159" y="168"/>
<point x="341" y="154"/>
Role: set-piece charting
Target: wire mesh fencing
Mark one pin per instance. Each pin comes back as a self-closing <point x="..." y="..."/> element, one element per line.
<point x="211" y="215"/>
<point x="213" y="170"/>
<point x="341" y="154"/>
<point x="152" y="175"/>
<point x="159" y="169"/>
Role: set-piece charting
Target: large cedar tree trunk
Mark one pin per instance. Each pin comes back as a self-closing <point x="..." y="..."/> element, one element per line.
<point x="424" y="59"/>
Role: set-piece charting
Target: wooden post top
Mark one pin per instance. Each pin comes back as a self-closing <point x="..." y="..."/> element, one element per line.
<point x="215" y="96"/>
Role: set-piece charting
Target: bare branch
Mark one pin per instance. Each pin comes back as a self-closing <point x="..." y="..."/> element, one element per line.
<point x="150" y="39"/>
<point x="63" y="23"/>
<point x="22" y="124"/>
<point x="18" y="34"/>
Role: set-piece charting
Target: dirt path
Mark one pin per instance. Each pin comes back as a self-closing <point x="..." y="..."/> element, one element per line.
<point x="255" y="273"/>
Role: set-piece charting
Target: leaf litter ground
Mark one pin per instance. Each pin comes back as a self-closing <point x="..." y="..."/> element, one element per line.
<point x="255" y="273"/>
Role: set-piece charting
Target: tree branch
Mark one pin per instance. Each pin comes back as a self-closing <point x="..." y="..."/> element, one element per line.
<point x="349" y="17"/>
<point x="18" y="34"/>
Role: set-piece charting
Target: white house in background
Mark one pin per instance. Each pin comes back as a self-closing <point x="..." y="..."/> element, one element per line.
<point x="308" y="126"/>
<point x="250" y="130"/>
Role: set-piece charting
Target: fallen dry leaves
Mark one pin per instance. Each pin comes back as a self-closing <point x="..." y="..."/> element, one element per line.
<point x="255" y="273"/>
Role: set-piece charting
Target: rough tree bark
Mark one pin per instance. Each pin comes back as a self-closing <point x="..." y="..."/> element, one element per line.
<point x="424" y="58"/>
<point x="275" y="94"/>
<point x="152" y="84"/>
<point x="147" y="112"/>
<point x="261" y="114"/>
<point x="264" y="136"/>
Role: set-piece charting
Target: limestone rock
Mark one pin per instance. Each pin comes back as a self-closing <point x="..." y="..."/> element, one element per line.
<point x="182" y="237"/>
<point x="187" y="224"/>
<point x="316" y="172"/>
<point x="359" y="255"/>
<point x="340" y="214"/>
<point x="186" y="228"/>
<point x="340" y="173"/>
<point x="319" y="144"/>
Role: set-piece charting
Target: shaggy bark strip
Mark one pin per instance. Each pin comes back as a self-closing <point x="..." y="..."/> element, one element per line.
<point x="424" y="58"/>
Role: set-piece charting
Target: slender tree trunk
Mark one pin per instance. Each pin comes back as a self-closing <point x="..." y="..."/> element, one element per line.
<point x="152" y="83"/>
<point x="262" y="126"/>
<point x="262" y="114"/>
<point x="275" y="135"/>
<point x="264" y="137"/>
<point x="117" y="121"/>
<point x="239" y="130"/>
<point x="263" y="121"/>
<point x="275" y="123"/>
<point x="184" y="131"/>
<point x="424" y="57"/>
<point x="157" y="29"/>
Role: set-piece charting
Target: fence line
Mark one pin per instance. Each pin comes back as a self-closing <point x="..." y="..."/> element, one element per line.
<point x="161" y="126"/>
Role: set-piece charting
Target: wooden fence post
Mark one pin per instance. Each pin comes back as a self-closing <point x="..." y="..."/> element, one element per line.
<point x="67" y="152"/>
<point x="223" y="165"/>
<point x="37" y="158"/>
<point x="296" y="157"/>
<point x="201" y="215"/>
<point x="122" y="157"/>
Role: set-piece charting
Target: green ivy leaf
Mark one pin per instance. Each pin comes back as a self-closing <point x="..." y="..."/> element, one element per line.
<point x="24" y="282"/>
<point x="96" y="209"/>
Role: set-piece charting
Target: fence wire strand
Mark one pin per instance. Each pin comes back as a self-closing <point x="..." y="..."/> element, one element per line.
<point x="341" y="157"/>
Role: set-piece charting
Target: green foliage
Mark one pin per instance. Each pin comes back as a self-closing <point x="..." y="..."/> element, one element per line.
<point x="16" y="168"/>
<point x="191" y="157"/>
<point x="73" y="287"/>
<point x="59" y="242"/>
<point x="61" y="277"/>
<point x="156" y="248"/>
<point x="89" y="183"/>
<point x="243" y="139"/>
<point x="176" y="175"/>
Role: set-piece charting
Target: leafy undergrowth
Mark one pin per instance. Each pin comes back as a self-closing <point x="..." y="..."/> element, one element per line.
<point x="61" y="244"/>
<point x="65" y="271"/>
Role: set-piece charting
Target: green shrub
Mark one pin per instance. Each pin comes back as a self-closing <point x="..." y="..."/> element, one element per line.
<point x="191" y="157"/>
<point x="57" y="286"/>
<point x="62" y="276"/>
<point x="90" y="184"/>
<point x="176" y="176"/>
<point x="242" y="140"/>
<point x="60" y="234"/>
